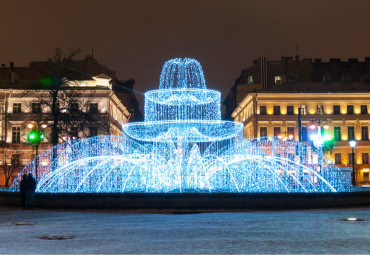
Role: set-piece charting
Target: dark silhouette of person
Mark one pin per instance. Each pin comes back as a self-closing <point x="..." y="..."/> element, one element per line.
<point x="30" y="190"/>
<point x="23" y="190"/>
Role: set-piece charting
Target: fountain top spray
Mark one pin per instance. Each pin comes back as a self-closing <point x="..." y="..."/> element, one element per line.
<point x="183" y="106"/>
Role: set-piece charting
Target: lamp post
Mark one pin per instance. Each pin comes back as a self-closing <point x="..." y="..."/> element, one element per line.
<point x="35" y="137"/>
<point x="353" y="145"/>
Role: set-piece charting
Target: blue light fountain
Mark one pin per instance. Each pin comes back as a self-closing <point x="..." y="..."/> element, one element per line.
<point x="183" y="146"/>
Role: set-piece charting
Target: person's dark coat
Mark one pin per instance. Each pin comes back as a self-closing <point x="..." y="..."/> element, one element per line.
<point x="23" y="190"/>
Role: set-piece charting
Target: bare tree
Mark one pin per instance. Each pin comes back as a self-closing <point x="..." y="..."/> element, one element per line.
<point x="63" y="103"/>
<point x="10" y="165"/>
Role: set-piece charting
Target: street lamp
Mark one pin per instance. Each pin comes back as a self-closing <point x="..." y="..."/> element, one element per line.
<point x="353" y="145"/>
<point x="35" y="137"/>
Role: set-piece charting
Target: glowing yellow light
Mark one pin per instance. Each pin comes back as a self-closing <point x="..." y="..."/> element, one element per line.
<point x="44" y="125"/>
<point x="326" y="126"/>
<point x="290" y="136"/>
<point x="280" y="136"/>
<point x="30" y="125"/>
<point x="312" y="126"/>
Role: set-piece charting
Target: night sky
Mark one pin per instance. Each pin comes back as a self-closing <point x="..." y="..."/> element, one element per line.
<point x="136" y="37"/>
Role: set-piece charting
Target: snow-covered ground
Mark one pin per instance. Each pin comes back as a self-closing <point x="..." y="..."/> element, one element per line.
<point x="309" y="231"/>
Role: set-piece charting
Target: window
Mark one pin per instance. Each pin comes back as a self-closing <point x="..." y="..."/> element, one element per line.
<point x="303" y="110"/>
<point x="17" y="108"/>
<point x="290" y="131"/>
<point x="36" y="108"/>
<point x="263" y="131"/>
<point x="320" y="109"/>
<point x="304" y="134"/>
<point x="263" y="110"/>
<point x="74" y="107"/>
<point x="16" y="135"/>
<point x="336" y="109"/>
<point x="276" y="109"/>
<point x="277" y="79"/>
<point x="337" y="134"/>
<point x="277" y="131"/>
<point x="350" y="158"/>
<point x="250" y="79"/>
<point x="338" y="158"/>
<point x="94" y="108"/>
<point x="15" y="160"/>
<point x="366" y="176"/>
<point x="363" y="109"/>
<point x="350" y="109"/>
<point x="364" y="133"/>
<point x="290" y="110"/>
<point x="351" y="133"/>
<point x="93" y="131"/>
<point x="365" y="158"/>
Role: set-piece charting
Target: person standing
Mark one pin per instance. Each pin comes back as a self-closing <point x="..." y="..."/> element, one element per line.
<point x="31" y="188"/>
<point x="23" y="191"/>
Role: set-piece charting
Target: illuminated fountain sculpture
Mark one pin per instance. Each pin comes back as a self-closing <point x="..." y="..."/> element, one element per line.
<point x="184" y="146"/>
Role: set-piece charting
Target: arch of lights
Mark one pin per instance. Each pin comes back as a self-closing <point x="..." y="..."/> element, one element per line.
<point x="184" y="146"/>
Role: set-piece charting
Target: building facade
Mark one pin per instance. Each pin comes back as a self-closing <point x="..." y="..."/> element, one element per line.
<point x="95" y="101"/>
<point x="266" y="74"/>
<point x="343" y="113"/>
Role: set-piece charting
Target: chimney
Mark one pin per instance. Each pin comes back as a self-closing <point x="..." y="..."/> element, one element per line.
<point x="12" y="74"/>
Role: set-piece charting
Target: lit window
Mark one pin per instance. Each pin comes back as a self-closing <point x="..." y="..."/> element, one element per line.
<point x="320" y="109"/>
<point x="250" y="79"/>
<point x="303" y="110"/>
<point x="337" y="134"/>
<point x="366" y="176"/>
<point x="16" y="135"/>
<point x="338" y="158"/>
<point x="277" y="79"/>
